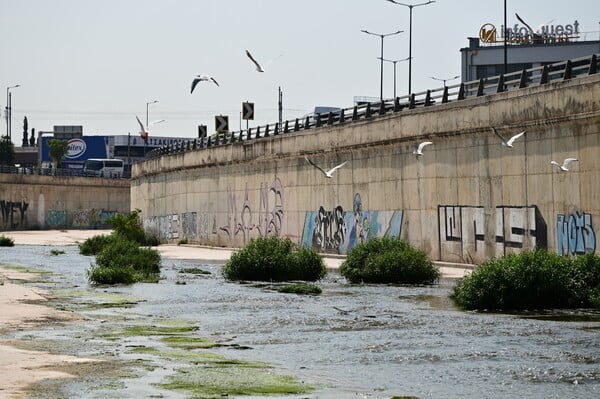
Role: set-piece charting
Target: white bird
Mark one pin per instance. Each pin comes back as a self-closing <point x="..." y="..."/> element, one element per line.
<point x="258" y="67"/>
<point x="202" y="78"/>
<point x="419" y="150"/>
<point x="510" y="141"/>
<point x="565" y="163"/>
<point x="144" y="130"/>
<point x="328" y="173"/>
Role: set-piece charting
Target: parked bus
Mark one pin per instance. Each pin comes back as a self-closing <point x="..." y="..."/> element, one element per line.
<point x="104" y="167"/>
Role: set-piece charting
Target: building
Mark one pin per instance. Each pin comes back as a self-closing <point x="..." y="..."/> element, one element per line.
<point x="130" y="149"/>
<point x="525" y="48"/>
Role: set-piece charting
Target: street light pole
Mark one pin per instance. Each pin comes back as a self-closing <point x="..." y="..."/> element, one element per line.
<point x="381" y="73"/>
<point x="410" y="7"/>
<point x="9" y="110"/>
<point x="445" y="80"/>
<point x="151" y="102"/>
<point x="395" y="62"/>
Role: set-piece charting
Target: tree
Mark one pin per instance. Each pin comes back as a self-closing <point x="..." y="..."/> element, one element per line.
<point x="58" y="151"/>
<point x="25" y="129"/>
<point x="7" y="151"/>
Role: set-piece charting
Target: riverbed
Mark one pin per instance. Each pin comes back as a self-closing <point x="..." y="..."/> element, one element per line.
<point x="351" y="341"/>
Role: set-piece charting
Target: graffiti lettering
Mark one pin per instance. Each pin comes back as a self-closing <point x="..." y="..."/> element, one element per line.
<point x="464" y="231"/>
<point x="13" y="214"/>
<point x="339" y="231"/>
<point x="575" y="234"/>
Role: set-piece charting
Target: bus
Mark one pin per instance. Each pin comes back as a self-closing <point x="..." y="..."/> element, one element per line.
<point x="104" y="167"/>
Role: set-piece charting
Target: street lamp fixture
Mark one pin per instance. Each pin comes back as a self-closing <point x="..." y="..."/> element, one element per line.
<point x="395" y="62"/>
<point x="9" y="111"/>
<point x="381" y="74"/>
<point x="410" y="7"/>
<point x="445" y="80"/>
<point x="147" y="104"/>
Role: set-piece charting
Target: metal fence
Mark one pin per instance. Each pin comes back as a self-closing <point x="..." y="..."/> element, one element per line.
<point x="23" y="170"/>
<point x="564" y="70"/>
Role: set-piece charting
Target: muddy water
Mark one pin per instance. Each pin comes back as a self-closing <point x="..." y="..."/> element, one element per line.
<point x="348" y="342"/>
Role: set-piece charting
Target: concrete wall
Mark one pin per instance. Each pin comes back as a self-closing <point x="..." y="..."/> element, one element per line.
<point x="47" y="202"/>
<point x="465" y="200"/>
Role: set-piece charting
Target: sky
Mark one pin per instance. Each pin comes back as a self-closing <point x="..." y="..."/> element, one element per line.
<point x="98" y="63"/>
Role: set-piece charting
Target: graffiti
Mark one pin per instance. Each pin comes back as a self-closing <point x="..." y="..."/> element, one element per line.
<point x="329" y="230"/>
<point x="464" y="230"/>
<point x="81" y="218"/>
<point x="339" y="231"/>
<point x="203" y="226"/>
<point x="270" y="216"/>
<point x="575" y="234"/>
<point x="230" y="227"/>
<point x="188" y="224"/>
<point x="13" y="214"/>
<point x="56" y="218"/>
<point x="271" y="220"/>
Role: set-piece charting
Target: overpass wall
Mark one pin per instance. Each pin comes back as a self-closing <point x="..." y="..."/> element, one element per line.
<point x="52" y="202"/>
<point x="465" y="200"/>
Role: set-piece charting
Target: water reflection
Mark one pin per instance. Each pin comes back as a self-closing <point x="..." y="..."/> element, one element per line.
<point x="352" y="340"/>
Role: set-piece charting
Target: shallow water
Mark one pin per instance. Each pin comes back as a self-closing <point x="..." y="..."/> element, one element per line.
<point x="350" y="341"/>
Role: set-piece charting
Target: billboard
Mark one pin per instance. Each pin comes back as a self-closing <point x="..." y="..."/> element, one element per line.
<point x="80" y="149"/>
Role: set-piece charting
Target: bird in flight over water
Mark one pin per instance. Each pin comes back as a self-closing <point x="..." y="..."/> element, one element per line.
<point x="510" y="141"/>
<point x="419" y="150"/>
<point x="202" y="78"/>
<point x="566" y="162"/>
<point x="328" y="173"/>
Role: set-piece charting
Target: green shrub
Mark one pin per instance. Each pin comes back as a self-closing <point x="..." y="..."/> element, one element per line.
<point x="125" y="262"/>
<point x="6" y="242"/>
<point x="530" y="280"/>
<point x="388" y="260"/>
<point x="111" y="275"/>
<point x="95" y="244"/>
<point x="129" y="227"/>
<point x="274" y="259"/>
<point x="56" y="252"/>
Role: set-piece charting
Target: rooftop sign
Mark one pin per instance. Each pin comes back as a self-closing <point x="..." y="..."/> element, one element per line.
<point x="523" y="34"/>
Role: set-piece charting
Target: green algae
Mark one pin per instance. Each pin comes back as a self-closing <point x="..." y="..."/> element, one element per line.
<point x="210" y="382"/>
<point x="95" y="299"/>
<point x="194" y="270"/>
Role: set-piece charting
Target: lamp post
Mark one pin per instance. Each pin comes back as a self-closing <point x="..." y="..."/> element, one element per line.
<point x="9" y="110"/>
<point x="395" y="62"/>
<point x="445" y="80"/>
<point x="410" y="7"/>
<point x="381" y="74"/>
<point x="147" y="104"/>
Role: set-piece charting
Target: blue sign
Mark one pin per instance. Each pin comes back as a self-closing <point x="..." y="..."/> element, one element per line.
<point x="80" y="149"/>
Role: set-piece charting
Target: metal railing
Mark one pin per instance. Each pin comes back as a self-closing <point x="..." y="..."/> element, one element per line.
<point x="564" y="70"/>
<point x="26" y="170"/>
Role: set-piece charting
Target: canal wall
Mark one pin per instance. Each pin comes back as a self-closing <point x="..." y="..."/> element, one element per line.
<point x="30" y="202"/>
<point x="466" y="199"/>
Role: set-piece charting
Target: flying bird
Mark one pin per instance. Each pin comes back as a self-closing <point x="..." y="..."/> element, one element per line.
<point x="419" y="150"/>
<point x="202" y="78"/>
<point x="565" y="163"/>
<point x="144" y="130"/>
<point x="510" y="141"/>
<point x="328" y="173"/>
<point x="258" y="67"/>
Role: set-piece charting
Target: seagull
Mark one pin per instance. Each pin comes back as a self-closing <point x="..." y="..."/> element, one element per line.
<point x="145" y="129"/>
<point x="510" y="141"/>
<point x="419" y="150"/>
<point x="202" y="78"/>
<point x="329" y="173"/>
<point x="565" y="163"/>
<point x="258" y="67"/>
